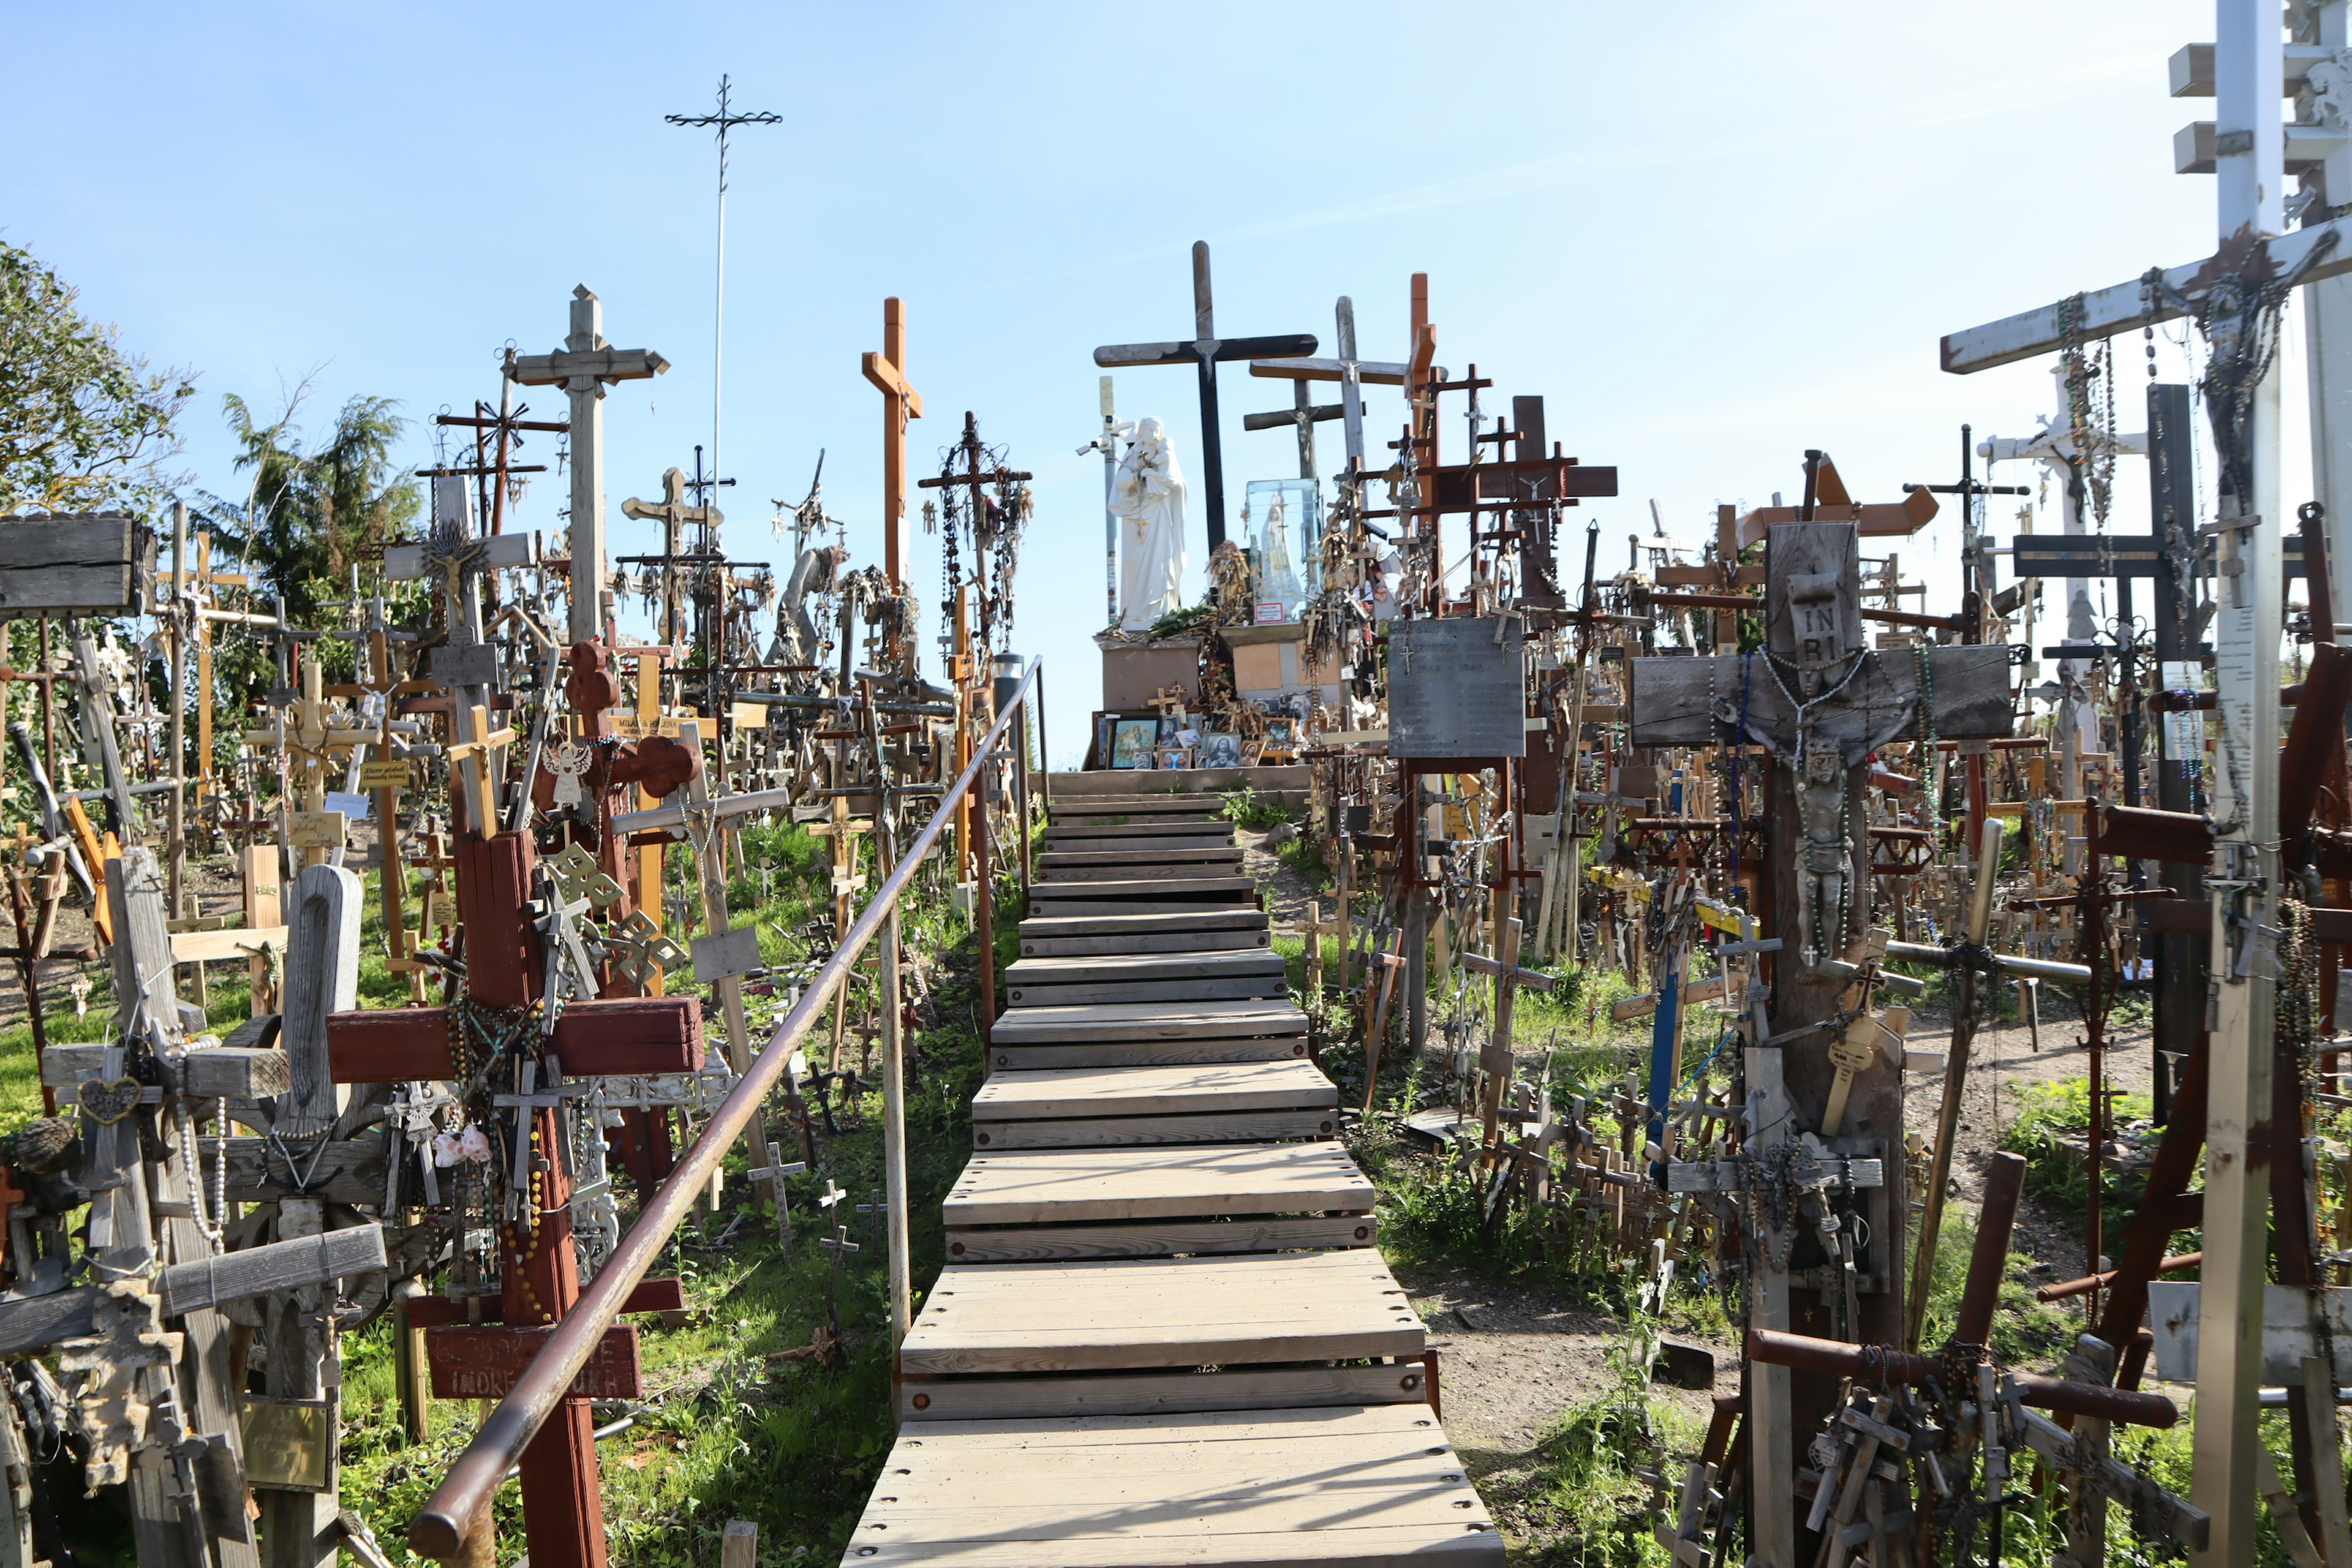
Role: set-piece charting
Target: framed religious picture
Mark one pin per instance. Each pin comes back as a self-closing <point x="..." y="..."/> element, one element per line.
<point x="1132" y="741"/>
<point x="1103" y="722"/>
<point x="1220" y="751"/>
<point x="1175" y="756"/>
<point x="1169" y="725"/>
<point x="1252" y="749"/>
<point x="1278" y="734"/>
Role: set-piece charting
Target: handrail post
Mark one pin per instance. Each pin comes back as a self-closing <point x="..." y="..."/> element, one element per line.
<point x="1036" y="699"/>
<point x="893" y="1120"/>
<point x="1021" y="793"/>
<point x="983" y="898"/>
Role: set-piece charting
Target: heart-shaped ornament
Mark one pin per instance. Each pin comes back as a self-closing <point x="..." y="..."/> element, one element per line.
<point x="109" y="1101"/>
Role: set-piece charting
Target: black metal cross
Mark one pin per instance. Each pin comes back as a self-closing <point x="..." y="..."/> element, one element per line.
<point x="1204" y="353"/>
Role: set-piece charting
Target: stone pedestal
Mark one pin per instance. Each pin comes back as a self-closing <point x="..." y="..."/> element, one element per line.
<point x="1269" y="663"/>
<point x="1135" y="672"/>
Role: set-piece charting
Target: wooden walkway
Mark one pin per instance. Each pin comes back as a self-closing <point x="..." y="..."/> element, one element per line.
<point x="1163" y="1336"/>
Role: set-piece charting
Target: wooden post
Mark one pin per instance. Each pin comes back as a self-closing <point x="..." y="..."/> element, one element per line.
<point x="649" y="856"/>
<point x="1772" y="1476"/>
<point x="176" y="822"/>
<point x="738" y="1545"/>
<point x="261" y="911"/>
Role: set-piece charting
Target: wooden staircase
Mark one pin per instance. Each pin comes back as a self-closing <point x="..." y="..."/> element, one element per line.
<point x="1162" y="1336"/>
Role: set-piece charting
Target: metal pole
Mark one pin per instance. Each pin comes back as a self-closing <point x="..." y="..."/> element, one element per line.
<point x="440" y="1527"/>
<point x="893" y="1112"/>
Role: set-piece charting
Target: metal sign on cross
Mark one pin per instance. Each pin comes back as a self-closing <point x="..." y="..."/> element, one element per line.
<point x="1204" y="353"/>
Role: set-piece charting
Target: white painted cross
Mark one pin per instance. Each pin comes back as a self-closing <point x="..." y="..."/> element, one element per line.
<point x="583" y="367"/>
<point x="2233" y="291"/>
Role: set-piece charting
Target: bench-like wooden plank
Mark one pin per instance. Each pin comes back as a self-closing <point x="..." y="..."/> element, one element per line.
<point x="1152" y="1091"/>
<point x="1372" y="1484"/>
<point x="1143" y="966"/>
<point x="1159" y="1392"/>
<point x="1143" y="941"/>
<point x="1239" y="987"/>
<point x="1116" y="853"/>
<point x="1166" y="802"/>
<point x="1193" y="885"/>
<point x="1173" y="921"/>
<point x="1155" y="1184"/>
<point x="1182" y="1312"/>
<point x="1161" y="1239"/>
<point x="1111" y="1131"/>
<point x="1150" y="1053"/>
<point x="1140" y="835"/>
<point x="1142" y="868"/>
<point x="1147" y="1021"/>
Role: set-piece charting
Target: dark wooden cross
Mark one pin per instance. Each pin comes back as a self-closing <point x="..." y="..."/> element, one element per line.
<point x="1204" y="353"/>
<point x="1821" y="703"/>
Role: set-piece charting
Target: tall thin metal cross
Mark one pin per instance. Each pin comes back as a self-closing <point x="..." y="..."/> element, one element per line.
<point x="723" y="122"/>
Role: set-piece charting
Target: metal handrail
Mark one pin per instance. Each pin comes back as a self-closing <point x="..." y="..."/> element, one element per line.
<point x="440" y="1528"/>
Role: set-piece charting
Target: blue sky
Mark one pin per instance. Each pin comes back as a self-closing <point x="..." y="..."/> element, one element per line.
<point x="1709" y="234"/>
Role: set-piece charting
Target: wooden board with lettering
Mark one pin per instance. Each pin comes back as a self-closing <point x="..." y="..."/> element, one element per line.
<point x="384" y="773"/>
<point x="482" y="1360"/>
<point x="317" y="829"/>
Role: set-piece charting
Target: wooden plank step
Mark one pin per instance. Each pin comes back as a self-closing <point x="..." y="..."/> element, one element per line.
<point x="1069" y="1188"/>
<point x="1149" y="1053"/>
<point x="1158" y="803"/>
<point x="1194" y="1090"/>
<point x="1143" y="966"/>
<point x="1222" y="988"/>
<point x="1163" y="1238"/>
<point x="1373" y="1486"/>
<point x="1191" y="886"/>
<point x="1158" y="1393"/>
<point x="1181" y="835"/>
<point x="1140" y="869"/>
<point x="1111" y="1132"/>
<point x="1133" y="854"/>
<point x="1181" y="920"/>
<point x="1124" y="1313"/>
<point x="1170" y="942"/>
<point x="1059" y="902"/>
<point x="1147" y="1021"/>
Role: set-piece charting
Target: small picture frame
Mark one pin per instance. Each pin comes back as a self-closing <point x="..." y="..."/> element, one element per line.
<point x="1103" y="722"/>
<point x="1253" y="750"/>
<point x="1221" y="750"/>
<point x="1132" y="741"/>
<point x="1169" y="725"/>
<point x="1278" y="734"/>
<point x="1175" y="756"/>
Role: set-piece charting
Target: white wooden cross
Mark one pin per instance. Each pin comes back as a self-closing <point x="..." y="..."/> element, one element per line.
<point x="2257" y="259"/>
<point x="583" y="367"/>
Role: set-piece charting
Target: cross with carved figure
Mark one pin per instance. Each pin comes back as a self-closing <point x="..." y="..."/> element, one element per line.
<point x="672" y="512"/>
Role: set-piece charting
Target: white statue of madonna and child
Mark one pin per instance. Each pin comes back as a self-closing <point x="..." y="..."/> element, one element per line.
<point x="1147" y="496"/>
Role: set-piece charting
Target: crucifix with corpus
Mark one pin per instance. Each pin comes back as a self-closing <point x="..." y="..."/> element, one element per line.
<point x="2235" y="295"/>
<point x="672" y="512"/>
<point x="1820" y="702"/>
<point x="1204" y="353"/>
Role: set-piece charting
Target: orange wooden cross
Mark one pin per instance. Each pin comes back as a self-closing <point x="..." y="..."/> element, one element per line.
<point x="900" y="403"/>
